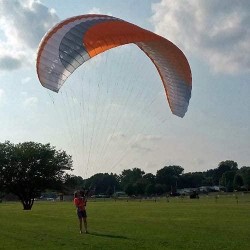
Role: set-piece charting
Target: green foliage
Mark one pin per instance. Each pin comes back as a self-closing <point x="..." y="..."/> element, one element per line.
<point x="129" y="189"/>
<point x="103" y="183"/>
<point x="136" y="182"/>
<point x="150" y="189"/>
<point x="228" y="167"/>
<point x="140" y="186"/>
<point x="160" y="189"/>
<point x="223" y="167"/>
<point x="73" y="182"/>
<point x="27" y="169"/>
<point x="168" y="176"/>
<point x="245" y="174"/>
<point x="150" y="178"/>
<point x="193" y="180"/>
<point x="130" y="176"/>
<point x="238" y="182"/>
<point x="227" y="180"/>
<point x="207" y="181"/>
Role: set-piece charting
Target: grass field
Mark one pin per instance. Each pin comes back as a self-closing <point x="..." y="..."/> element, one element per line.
<point x="207" y="223"/>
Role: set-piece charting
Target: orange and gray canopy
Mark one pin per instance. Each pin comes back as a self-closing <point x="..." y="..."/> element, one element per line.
<point x="75" y="40"/>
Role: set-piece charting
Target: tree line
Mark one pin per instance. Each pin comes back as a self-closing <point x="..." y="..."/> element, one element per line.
<point x="166" y="180"/>
<point x="28" y="169"/>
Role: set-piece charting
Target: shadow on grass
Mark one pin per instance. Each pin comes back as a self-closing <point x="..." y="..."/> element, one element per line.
<point x="107" y="235"/>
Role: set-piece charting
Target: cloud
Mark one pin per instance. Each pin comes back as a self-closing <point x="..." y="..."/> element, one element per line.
<point x="148" y="138"/>
<point x="2" y="97"/>
<point x="9" y="62"/>
<point x="217" y="31"/>
<point x="22" y="26"/>
<point x="145" y="143"/>
<point x="141" y="148"/>
<point x="26" y="80"/>
<point x="30" y="102"/>
<point x="95" y="10"/>
<point x="118" y="136"/>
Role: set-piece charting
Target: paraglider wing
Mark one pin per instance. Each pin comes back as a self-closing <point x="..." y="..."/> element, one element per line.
<point x="74" y="41"/>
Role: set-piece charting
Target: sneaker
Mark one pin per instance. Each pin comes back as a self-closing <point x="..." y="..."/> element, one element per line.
<point x="80" y="231"/>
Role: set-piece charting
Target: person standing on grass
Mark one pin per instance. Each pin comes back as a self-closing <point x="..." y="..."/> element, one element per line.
<point x="80" y="202"/>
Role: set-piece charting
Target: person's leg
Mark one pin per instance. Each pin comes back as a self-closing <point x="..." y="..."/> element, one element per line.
<point x="85" y="224"/>
<point x="80" y="224"/>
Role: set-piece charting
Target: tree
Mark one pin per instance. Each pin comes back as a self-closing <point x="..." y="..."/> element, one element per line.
<point x="150" y="189"/>
<point x="129" y="189"/>
<point x="103" y="183"/>
<point x="207" y="181"/>
<point x="29" y="168"/>
<point x="169" y="176"/>
<point x="148" y="181"/>
<point x="223" y="167"/>
<point x="140" y="186"/>
<point x="245" y="173"/>
<point x="149" y="178"/>
<point x="238" y="182"/>
<point x="73" y="182"/>
<point x="160" y="188"/>
<point x="191" y="180"/>
<point x="130" y="176"/>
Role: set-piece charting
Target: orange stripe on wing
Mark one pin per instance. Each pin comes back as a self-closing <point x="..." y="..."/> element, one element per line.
<point x="110" y="34"/>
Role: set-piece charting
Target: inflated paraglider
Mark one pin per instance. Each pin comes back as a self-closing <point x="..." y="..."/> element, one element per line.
<point x="74" y="41"/>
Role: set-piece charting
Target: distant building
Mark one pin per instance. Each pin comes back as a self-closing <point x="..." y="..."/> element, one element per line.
<point x="120" y="194"/>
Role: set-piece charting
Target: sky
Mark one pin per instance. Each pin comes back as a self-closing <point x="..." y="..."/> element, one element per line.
<point x="102" y="117"/>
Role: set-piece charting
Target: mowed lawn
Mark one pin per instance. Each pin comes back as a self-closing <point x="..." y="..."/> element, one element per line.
<point x="207" y="223"/>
